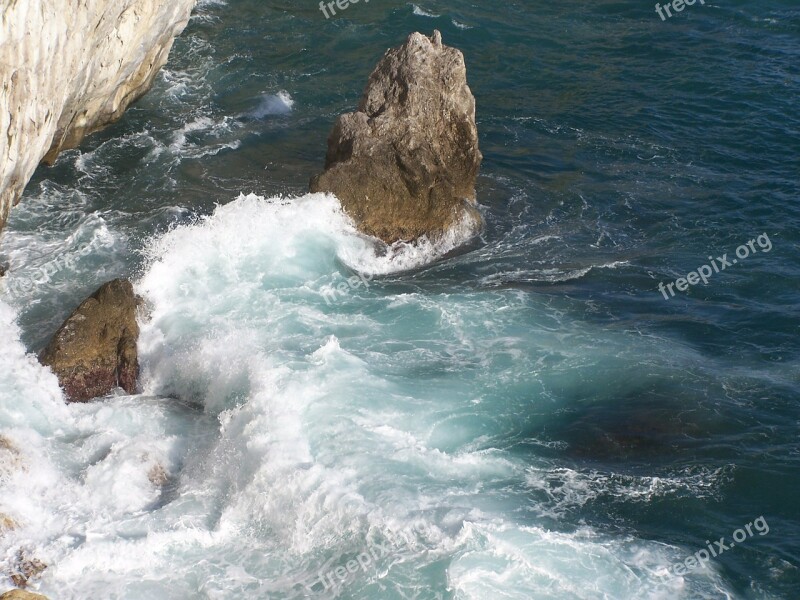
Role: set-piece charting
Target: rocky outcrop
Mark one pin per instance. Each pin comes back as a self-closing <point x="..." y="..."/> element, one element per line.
<point x="21" y="595"/>
<point x="405" y="164"/>
<point x="70" y="68"/>
<point x="94" y="351"/>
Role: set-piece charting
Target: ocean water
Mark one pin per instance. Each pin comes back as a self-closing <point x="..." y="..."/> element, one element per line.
<point x="521" y="416"/>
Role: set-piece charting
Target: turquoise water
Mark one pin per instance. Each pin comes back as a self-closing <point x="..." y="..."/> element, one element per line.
<point x="526" y="417"/>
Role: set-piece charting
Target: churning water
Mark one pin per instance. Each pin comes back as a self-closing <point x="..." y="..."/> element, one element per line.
<point x="523" y="417"/>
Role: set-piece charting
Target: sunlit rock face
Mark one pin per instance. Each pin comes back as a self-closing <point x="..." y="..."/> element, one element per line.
<point x="404" y="165"/>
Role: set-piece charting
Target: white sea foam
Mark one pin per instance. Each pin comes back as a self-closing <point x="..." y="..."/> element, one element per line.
<point x="23" y="377"/>
<point x="178" y="82"/>
<point x="77" y="471"/>
<point x="53" y="256"/>
<point x="273" y="104"/>
<point x="529" y="562"/>
<point x="566" y="489"/>
<point x="284" y="224"/>
<point x="280" y="435"/>
<point x="207" y="128"/>
<point x="375" y="258"/>
<point x="200" y="13"/>
<point x="420" y="12"/>
<point x="546" y="275"/>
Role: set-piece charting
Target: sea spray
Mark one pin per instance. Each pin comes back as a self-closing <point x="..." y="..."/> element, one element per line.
<point x="280" y="433"/>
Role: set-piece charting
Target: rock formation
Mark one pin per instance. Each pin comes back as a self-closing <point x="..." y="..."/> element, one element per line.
<point x="405" y="165"/>
<point x="70" y="68"/>
<point x="94" y="351"/>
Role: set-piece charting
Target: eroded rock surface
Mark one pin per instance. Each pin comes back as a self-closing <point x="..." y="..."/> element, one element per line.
<point x="70" y="68"/>
<point x="94" y="351"/>
<point x="405" y="164"/>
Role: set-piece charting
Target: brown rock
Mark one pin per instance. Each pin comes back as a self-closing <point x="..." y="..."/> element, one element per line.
<point x="158" y="475"/>
<point x="6" y="523"/>
<point x="94" y="351"/>
<point x="26" y="568"/>
<point x="405" y="164"/>
<point x="21" y="595"/>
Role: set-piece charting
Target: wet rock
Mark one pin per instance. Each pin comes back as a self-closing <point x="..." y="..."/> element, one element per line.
<point x="26" y="567"/>
<point x="157" y="475"/>
<point x="6" y="524"/>
<point x="21" y="595"/>
<point x="94" y="351"/>
<point x="405" y="164"/>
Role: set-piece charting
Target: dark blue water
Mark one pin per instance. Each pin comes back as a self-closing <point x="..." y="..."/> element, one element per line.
<point x="621" y="152"/>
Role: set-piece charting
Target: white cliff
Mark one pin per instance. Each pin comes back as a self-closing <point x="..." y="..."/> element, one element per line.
<point x="70" y="67"/>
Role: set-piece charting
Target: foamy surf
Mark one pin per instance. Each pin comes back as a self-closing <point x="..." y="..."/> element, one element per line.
<point x="253" y="433"/>
<point x="273" y="105"/>
<point x="288" y="222"/>
<point x="421" y="12"/>
<point x="521" y="563"/>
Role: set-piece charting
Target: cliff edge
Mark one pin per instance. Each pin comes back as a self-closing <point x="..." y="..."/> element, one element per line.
<point x="69" y="69"/>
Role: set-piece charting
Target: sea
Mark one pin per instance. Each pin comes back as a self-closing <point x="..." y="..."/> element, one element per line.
<point x="596" y="398"/>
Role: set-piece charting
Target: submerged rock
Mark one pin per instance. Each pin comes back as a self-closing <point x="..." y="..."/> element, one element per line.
<point x="6" y="523"/>
<point x="10" y="458"/>
<point x="404" y="166"/>
<point x="94" y="351"/>
<point x="68" y="69"/>
<point x="26" y="567"/>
